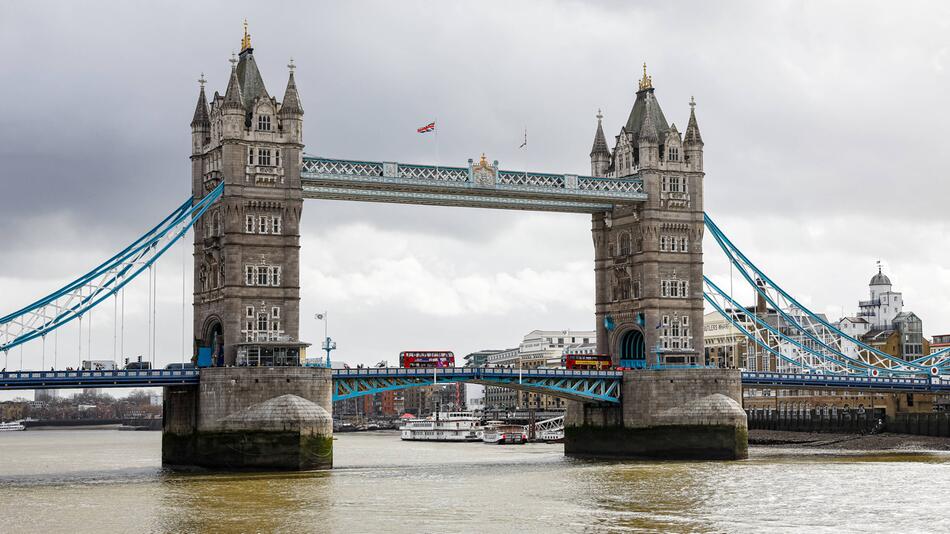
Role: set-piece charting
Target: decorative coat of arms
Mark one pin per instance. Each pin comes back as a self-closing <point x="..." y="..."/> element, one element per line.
<point x="484" y="174"/>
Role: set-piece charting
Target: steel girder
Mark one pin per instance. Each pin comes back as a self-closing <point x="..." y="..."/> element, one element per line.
<point x="584" y="386"/>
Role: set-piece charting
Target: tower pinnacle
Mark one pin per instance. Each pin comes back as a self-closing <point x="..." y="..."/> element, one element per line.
<point x="647" y="81"/>
<point x="246" y="40"/>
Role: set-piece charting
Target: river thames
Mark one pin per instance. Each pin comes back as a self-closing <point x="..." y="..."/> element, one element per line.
<point x="111" y="481"/>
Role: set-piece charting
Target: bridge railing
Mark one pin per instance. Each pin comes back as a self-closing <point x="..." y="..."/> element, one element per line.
<point x="414" y="174"/>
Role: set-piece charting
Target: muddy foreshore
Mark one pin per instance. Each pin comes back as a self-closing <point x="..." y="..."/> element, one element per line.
<point x="853" y="442"/>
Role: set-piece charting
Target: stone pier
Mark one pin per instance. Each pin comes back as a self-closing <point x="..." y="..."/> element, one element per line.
<point x="276" y="418"/>
<point x="670" y="414"/>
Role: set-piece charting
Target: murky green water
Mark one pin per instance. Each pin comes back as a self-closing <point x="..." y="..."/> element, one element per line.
<point x="109" y="481"/>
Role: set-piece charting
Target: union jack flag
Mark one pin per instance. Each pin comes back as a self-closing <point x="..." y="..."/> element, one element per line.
<point x="427" y="128"/>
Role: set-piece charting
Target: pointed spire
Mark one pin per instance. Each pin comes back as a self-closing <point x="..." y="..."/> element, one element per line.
<point x="600" y="142"/>
<point x="291" y="101"/>
<point x="692" y="129"/>
<point x="201" y="117"/>
<point x="232" y="97"/>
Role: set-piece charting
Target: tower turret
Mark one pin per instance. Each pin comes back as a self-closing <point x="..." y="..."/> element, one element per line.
<point x="291" y="111"/>
<point x="693" y="141"/>
<point x="201" y="122"/>
<point x="599" y="154"/>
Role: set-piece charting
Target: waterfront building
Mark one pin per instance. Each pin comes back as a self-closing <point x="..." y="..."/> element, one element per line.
<point x="726" y="346"/>
<point x="882" y="323"/>
<point x="480" y="358"/>
<point x="538" y="348"/>
<point x="940" y="342"/>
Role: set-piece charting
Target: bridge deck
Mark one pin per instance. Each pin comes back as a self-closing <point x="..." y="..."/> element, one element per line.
<point x="535" y="378"/>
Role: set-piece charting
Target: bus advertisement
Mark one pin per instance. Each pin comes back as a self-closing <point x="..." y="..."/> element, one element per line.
<point x="594" y="362"/>
<point x="426" y="358"/>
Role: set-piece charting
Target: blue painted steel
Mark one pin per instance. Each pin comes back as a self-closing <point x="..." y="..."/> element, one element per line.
<point x="816" y="381"/>
<point x="97" y="379"/>
<point x="728" y="247"/>
<point x="185" y="215"/>
<point x="589" y="386"/>
<point x="204" y="357"/>
<point x="762" y="323"/>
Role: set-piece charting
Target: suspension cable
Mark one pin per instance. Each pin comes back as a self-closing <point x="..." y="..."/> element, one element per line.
<point x="55" y="348"/>
<point x="184" y="251"/>
<point x="122" y="328"/>
<point x="154" y="308"/>
<point x="80" y="339"/>
<point x="43" y="359"/>
<point x="148" y="313"/>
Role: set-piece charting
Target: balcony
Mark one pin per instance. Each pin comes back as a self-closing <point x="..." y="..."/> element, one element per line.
<point x="868" y="303"/>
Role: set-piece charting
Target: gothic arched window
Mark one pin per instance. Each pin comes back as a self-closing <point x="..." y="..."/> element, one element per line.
<point x="624" y="246"/>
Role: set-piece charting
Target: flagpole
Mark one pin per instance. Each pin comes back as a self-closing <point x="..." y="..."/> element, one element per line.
<point x="438" y="158"/>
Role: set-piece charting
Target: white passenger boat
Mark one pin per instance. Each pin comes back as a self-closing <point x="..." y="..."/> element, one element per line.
<point x="501" y="434"/>
<point x="442" y="426"/>
<point x="11" y="426"/>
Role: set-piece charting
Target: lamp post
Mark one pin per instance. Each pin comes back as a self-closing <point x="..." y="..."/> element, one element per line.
<point x="328" y="344"/>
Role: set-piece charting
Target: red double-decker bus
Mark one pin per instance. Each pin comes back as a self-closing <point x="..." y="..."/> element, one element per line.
<point x="597" y="362"/>
<point x="426" y="358"/>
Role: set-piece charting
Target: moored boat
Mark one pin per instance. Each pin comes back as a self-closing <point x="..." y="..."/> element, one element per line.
<point x="442" y="426"/>
<point x="498" y="433"/>
<point x="11" y="426"/>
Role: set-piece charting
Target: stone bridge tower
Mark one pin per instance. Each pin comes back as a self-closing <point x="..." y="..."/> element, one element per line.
<point x="246" y="296"/>
<point x="648" y="257"/>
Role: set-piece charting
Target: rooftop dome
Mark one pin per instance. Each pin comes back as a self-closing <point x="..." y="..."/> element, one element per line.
<point x="880" y="279"/>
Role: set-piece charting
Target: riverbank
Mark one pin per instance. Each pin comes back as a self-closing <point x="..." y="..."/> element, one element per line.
<point x="852" y="442"/>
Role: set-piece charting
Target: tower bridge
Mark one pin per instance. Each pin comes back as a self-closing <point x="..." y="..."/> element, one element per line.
<point x="645" y="197"/>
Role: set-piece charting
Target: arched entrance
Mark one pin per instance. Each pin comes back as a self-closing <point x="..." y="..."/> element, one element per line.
<point x="632" y="349"/>
<point x="211" y="351"/>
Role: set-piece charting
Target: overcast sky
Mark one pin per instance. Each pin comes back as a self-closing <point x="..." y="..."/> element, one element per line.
<point x="823" y="125"/>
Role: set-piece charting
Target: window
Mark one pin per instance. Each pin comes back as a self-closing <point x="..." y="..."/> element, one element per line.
<point x="275" y="276"/>
<point x="275" y="224"/>
<point x="263" y="156"/>
<point x="263" y="224"/>
<point x="277" y="157"/>
<point x="674" y="184"/>
<point x="675" y="332"/>
<point x="250" y="155"/>
<point x="624" y="244"/>
<point x="635" y="288"/>
<point x="250" y="274"/>
<point x="275" y="312"/>
<point x="677" y="289"/>
<point x="665" y="184"/>
<point x="263" y="123"/>
<point x="262" y="278"/>
<point x="624" y="288"/>
<point x="684" y="244"/>
<point x="249" y="225"/>
<point x="664" y="243"/>
<point x="262" y="325"/>
<point x="674" y="153"/>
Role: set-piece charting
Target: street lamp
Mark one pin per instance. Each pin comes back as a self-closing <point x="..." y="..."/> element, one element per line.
<point x="328" y="344"/>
